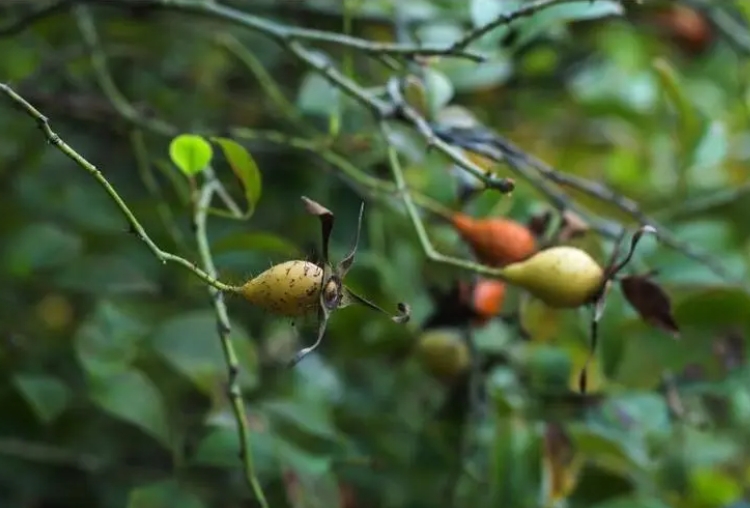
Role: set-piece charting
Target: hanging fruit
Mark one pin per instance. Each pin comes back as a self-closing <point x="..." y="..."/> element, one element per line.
<point x="444" y="353"/>
<point x="487" y="298"/>
<point x="495" y="241"/>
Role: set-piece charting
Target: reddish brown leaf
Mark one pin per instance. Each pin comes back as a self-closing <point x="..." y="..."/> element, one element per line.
<point x="573" y="226"/>
<point x="539" y="223"/>
<point x="651" y="303"/>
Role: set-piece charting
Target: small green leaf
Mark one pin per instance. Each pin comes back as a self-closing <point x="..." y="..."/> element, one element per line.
<point x="190" y="343"/>
<point x="163" y="494"/>
<point x="132" y="397"/>
<point x="713" y="488"/>
<point x="47" y="395"/>
<point x="190" y="153"/>
<point x="245" y="168"/>
<point x="439" y="90"/>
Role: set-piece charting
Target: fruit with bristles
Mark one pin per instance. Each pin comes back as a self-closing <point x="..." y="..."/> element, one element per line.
<point x="561" y="276"/>
<point x="295" y="288"/>
<point x="290" y="289"/>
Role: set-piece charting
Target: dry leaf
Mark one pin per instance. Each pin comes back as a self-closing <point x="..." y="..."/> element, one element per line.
<point x="539" y="223"/>
<point x="573" y="226"/>
<point x="651" y="302"/>
<point x="560" y="462"/>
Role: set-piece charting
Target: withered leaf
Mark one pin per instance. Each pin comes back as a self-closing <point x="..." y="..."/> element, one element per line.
<point x="573" y="226"/>
<point x="539" y="223"/>
<point x="651" y="302"/>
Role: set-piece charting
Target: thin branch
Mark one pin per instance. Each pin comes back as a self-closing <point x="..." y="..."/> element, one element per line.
<point x="527" y="9"/>
<point x="405" y="112"/>
<point x="19" y="25"/>
<point x="427" y="247"/>
<point x="101" y="70"/>
<point x="54" y="139"/>
<point x="152" y="186"/>
<point x="497" y="148"/>
<point x="200" y="215"/>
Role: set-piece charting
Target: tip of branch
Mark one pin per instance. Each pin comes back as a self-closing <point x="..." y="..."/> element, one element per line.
<point x="504" y="185"/>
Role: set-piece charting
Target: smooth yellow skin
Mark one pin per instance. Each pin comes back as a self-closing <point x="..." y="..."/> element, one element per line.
<point x="443" y="353"/>
<point x="560" y="276"/>
<point x="290" y="289"/>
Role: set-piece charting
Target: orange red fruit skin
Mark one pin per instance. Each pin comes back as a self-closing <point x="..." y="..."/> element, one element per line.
<point x="487" y="299"/>
<point x="495" y="241"/>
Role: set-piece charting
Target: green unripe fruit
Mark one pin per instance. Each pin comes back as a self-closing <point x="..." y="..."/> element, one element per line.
<point x="560" y="276"/>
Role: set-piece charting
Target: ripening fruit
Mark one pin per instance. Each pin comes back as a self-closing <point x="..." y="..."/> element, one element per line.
<point x="443" y="353"/>
<point x="291" y="288"/>
<point x="496" y="241"/>
<point x="560" y="276"/>
<point x="487" y="299"/>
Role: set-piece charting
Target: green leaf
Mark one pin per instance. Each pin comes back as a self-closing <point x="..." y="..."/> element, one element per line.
<point x="439" y="90"/>
<point x="673" y="89"/>
<point x="245" y="168"/>
<point x="483" y="12"/>
<point x="38" y="246"/>
<point x="107" y="340"/>
<point x="190" y="153"/>
<point x="259" y="241"/>
<point x="317" y="96"/>
<point x="616" y="449"/>
<point x="708" y="156"/>
<point x="163" y="494"/>
<point x="713" y="488"/>
<point x="105" y="275"/>
<point x="220" y="448"/>
<point x="47" y="395"/>
<point x="190" y="343"/>
<point x="132" y="397"/>
<point x="552" y="17"/>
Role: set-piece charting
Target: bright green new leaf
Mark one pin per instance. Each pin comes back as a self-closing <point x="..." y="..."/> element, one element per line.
<point x="132" y="397"/>
<point x="191" y="153"/>
<point x="244" y="166"/>
<point x="47" y="395"/>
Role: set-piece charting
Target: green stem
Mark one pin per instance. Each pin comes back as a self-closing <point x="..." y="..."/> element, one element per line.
<point x="200" y="217"/>
<point x="55" y="140"/>
<point x="427" y="247"/>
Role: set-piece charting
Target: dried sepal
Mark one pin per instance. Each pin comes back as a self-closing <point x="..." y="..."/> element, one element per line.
<point x="351" y="298"/>
<point x="348" y="260"/>
<point x="326" y="218"/>
<point x="651" y="302"/>
<point x="333" y="294"/>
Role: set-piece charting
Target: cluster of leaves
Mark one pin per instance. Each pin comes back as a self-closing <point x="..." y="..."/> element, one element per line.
<point x="112" y="374"/>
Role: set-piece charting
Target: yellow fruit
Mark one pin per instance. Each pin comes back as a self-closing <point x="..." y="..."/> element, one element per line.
<point x="560" y="276"/>
<point x="443" y="353"/>
<point x="291" y="288"/>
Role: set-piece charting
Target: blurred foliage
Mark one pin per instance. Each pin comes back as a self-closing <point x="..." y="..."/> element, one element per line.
<point x="113" y="383"/>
